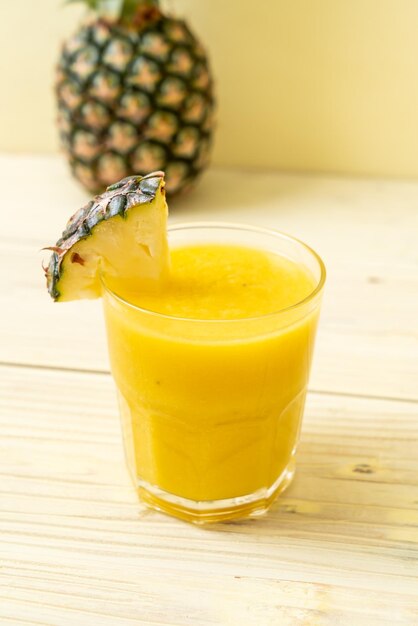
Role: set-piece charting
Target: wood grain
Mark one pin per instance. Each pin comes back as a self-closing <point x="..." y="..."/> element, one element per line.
<point x="340" y="548"/>
<point x="342" y="544"/>
<point x="365" y="231"/>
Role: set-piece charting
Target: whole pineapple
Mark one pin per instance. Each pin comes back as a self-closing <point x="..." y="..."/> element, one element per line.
<point x="135" y="94"/>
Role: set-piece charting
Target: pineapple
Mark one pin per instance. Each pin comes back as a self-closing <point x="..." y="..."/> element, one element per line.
<point x="121" y="234"/>
<point x="135" y="94"/>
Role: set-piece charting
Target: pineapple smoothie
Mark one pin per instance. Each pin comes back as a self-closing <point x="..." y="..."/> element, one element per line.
<point x="211" y="330"/>
<point x="211" y="372"/>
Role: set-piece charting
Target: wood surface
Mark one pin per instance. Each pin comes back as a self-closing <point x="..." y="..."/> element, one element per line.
<point x="339" y="548"/>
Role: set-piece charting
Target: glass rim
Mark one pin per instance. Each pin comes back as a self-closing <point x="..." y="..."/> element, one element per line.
<point x="183" y="226"/>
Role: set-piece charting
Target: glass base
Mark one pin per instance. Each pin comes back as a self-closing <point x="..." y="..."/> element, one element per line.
<point x="211" y="511"/>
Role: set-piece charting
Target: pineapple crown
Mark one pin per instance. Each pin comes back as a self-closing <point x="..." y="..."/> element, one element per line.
<point x="123" y="10"/>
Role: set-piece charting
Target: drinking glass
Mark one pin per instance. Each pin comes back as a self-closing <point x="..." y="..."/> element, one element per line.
<point x="211" y="410"/>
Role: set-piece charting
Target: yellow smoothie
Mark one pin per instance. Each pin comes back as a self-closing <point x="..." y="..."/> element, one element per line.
<point x="211" y="370"/>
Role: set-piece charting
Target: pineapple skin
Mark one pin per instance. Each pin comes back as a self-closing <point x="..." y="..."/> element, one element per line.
<point x="133" y="99"/>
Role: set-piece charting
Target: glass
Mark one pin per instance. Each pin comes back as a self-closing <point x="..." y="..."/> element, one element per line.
<point x="211" y="410"/>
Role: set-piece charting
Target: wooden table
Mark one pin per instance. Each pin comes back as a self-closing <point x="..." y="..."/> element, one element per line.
<point x="339" y="548"/>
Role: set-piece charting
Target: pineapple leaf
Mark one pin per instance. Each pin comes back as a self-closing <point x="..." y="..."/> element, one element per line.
<point x="90" y="3"/>
<point x="104" y="7"/>
<point x="115" y="8"/>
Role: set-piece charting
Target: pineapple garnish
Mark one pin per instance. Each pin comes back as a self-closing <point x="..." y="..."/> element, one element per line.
<point x="120" y="234"/>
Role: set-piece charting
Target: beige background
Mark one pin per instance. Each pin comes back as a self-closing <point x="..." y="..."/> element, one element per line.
<point x="302" y="84"/>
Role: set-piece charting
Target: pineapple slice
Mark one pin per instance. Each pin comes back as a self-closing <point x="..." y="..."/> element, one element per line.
<point x="121" y="234"/>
